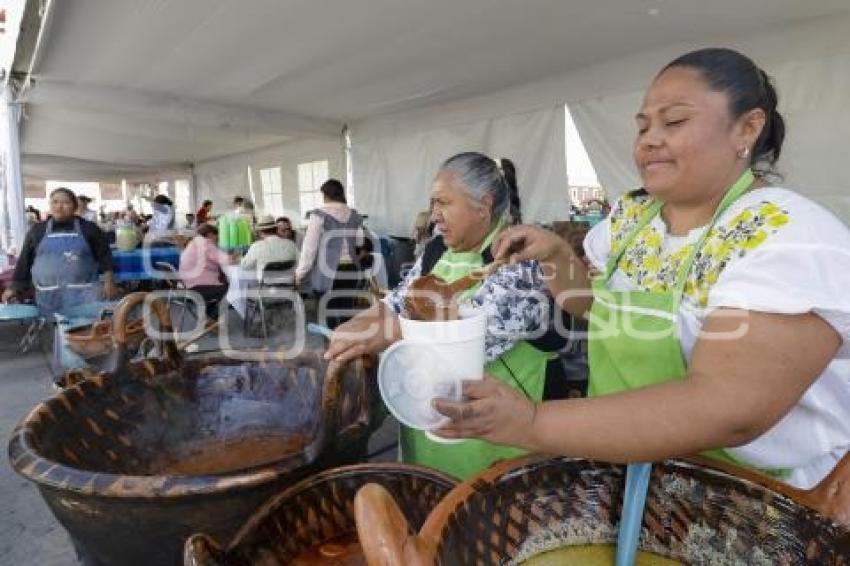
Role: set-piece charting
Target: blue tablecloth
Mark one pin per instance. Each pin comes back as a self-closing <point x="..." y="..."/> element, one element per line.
<point x="140" y="264"/>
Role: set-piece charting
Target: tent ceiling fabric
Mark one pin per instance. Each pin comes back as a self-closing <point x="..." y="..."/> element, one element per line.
<point x="398" y="169"/>
<point x="346" y="60"/>
<point x="48" y="167"/>
<point x="151" y="81"/>
<point x="810" y="66"/>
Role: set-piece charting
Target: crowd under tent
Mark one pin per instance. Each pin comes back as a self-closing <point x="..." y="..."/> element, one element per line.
<point x="264" y="98"/>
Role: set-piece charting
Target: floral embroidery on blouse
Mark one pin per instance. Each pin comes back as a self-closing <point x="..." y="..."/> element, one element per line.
<point x="653" y="269"/>
<point x="514" y="298"/>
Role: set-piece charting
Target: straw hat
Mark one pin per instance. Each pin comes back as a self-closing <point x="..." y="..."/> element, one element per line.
<point x="265" y="222"/>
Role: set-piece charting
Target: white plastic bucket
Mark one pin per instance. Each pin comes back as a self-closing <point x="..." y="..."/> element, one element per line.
<point x="459" y="342"/>
<point x="458" y="346"/>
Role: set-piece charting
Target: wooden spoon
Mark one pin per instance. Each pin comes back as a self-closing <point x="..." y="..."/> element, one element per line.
<point x="431" y="297"/>
<point x="385" y="535"/>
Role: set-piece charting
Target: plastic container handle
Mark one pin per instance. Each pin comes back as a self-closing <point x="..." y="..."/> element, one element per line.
<point x="314" y="328"/>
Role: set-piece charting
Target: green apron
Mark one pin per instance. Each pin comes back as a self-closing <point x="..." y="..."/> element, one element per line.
<point x="633" y="339"/>
<point x="523" y="367"/>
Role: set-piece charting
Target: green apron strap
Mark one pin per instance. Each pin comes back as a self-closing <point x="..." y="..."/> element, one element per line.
<point x="741" y="186"/>
<point x="615" y="256"/>
<point x="453" y="265"/>
<point x="488" y="241"/>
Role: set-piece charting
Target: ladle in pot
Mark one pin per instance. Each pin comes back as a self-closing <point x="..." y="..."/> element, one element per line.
<point x="431" y="297"/>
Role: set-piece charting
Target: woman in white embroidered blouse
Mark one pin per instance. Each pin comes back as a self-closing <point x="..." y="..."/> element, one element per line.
<point x="764" y="317"/>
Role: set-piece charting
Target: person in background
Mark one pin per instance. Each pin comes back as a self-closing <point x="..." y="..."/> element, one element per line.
<point x="33" y="217"/>
<point x="109" y="225"/>
<point x="269" y="248"/>
<point x="287" y="232"/>
<point x="242" y="208"/>
<point x="84" y="211"/>
<point x="131" y="215"/>
<point x="61" y="258"/>
<point x="423" y="229"/>
<point x="514" y="204"/>
<point x="162" y="221"/>
<point x="202" y="267"/>
<point x="189" y="221"/>
<point x="328" y="254"/>
<point x="35" y="212"/>
<point x="204" y="213"/>
<point x="249" y="211"/>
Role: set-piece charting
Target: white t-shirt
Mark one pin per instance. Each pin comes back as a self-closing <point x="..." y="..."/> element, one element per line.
<point x="162" y="219"/>
<point x="773" y="251"/>
<point x="269" y="249"/>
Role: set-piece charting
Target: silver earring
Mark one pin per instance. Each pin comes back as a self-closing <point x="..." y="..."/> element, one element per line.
<point x="744" y="152"/>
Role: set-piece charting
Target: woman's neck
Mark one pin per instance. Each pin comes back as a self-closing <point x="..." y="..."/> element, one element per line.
<point x="478" y="241"/>
<point x="682" y="216"/>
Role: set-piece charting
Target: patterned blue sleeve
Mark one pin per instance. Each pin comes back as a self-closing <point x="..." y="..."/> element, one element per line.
<point x="395" y="298"/>
<point x="515" y="299"/>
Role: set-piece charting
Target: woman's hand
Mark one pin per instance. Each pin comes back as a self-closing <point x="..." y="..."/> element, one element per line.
<point x="493" y="412"/>
<point x="565" y="274"/>
<point x="530" y="242"/>
<point x="367" y="333"/>
<point x="8" y="295"/>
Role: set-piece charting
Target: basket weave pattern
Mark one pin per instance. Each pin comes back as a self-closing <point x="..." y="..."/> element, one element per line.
<point x="320" y="509"/>
<point x="693" y="515"/>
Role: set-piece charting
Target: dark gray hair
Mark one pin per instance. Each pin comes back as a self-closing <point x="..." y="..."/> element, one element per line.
<point x="481" y="175"/>
<point x="747" y="87"/>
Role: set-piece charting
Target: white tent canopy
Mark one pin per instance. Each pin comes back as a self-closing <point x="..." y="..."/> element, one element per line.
<point x="224" y="88"/>
<point x="810" y="63"/>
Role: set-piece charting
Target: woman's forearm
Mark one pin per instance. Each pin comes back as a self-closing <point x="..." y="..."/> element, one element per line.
<point x="673" y="419"/>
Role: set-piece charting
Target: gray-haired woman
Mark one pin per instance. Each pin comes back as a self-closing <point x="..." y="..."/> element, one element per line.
<point x="470" y="202"/>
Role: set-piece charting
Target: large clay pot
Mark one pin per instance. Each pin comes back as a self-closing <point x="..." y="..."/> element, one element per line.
<point x="697" y="512"/>
<point x="133" y="462"/>
<point x="319" y="510"/>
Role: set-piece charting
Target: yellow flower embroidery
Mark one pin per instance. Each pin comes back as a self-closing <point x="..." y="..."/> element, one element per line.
<point x="755" y="240"/>
<point x="652" y="269"/>
<point x="654" y="239"/>
<point x="652" y="263"/>
<point x="744" y="216"/>
<point x="777" y="220"/>
<point x="769" y="209"/>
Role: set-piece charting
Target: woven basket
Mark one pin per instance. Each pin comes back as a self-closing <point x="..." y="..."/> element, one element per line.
<point x="102" y="452"/>
<point x="694" y="514"/>
<point x="97" y="339"/>
<point x="318" y="510"/>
